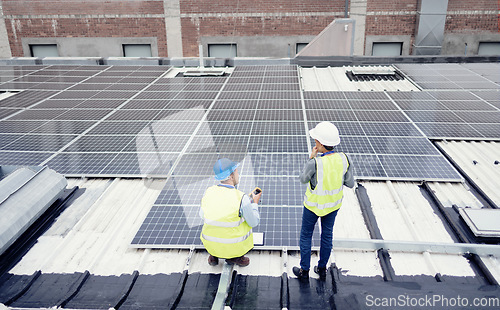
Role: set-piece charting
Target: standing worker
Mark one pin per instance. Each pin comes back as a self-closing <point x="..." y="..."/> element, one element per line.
<point x="326" y="174"/>
<point x="229" y="216"/>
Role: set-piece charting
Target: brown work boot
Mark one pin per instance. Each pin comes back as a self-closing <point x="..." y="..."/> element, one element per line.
<point x="213" y="261"/>
<point x="241" y="261"/>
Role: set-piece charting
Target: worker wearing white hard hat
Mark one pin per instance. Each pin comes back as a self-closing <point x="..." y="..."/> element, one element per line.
<point x="229" y="216"/>
<point x="326" y="175"/>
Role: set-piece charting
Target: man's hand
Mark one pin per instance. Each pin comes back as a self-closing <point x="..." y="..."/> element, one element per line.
<point x="256" y="198"/>
<point x="314" y="152"/>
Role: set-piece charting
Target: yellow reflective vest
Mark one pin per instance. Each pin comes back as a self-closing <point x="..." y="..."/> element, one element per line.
<point x="224" y="234"/>
<point x="328" y="194"/>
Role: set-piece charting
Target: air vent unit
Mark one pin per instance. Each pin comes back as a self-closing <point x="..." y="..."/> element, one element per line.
<point x="199" y="72"/>
<point x="374" y="74"/>
<point x="203" y="73"/>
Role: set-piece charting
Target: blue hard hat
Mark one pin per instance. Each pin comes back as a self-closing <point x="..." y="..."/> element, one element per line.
<point x="223" y="168"/>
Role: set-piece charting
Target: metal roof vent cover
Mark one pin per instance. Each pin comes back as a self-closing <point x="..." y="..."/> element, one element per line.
<point x="386" y="73"/>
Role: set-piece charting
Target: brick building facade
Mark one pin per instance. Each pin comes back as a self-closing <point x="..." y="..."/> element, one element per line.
<point x="260" y="28"/>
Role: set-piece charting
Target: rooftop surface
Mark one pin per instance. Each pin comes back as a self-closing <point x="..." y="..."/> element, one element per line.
<point x="139" y="145"/>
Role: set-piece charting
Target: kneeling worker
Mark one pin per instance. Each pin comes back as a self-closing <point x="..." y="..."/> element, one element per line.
<point x="326" y="174"/>
<point x="229" y="216"/>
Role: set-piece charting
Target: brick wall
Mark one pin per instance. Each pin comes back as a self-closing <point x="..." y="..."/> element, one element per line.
<point x="193" y="28"/>
<point x="60" y="7"/>
<point x="260" y="6"/>
<point x="391" y="5"/>
<point x="472" y="23"/>
<point x="199" y="19"/>
<point x="85" y="27"/>
<point x="467" y="5"/>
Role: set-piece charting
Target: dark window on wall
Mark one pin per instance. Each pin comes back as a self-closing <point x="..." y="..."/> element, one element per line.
<point x="489" y="48"/>
<point x="137" y="50"/>
<point x="299" y="47"/>
<point x="222" y="50"/>
<point x="387" y="48"/>
<point x="44" y="50"/>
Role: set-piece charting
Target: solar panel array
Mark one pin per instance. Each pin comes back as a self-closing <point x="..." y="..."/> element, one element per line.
<point x="131" y="121"/>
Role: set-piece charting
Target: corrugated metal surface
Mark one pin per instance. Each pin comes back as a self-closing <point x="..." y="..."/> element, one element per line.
<point x="94" y="234"/>
<point x="335" y="79"/>
<point x="480" y="161"/>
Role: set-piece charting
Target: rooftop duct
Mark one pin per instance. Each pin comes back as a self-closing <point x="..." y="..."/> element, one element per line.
<point x="430" y="27"/>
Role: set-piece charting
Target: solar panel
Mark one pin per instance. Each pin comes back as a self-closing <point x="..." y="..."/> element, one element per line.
<point x="202" y="164"/>
<point x="8" y="112"/>
<point x="276" y="190"/>
<point x="170" y="225"/>
<point x="448" y="130"/>
<point x="417" y="105"/>
<point x="99" y="144"/>
<point x="280" y="104"/>
<point x="59" y="104"/>
<point x="23" y="158"/>
<point x="6" y="139"/>
<point x="83" y="114"/>
<point x="255" y="117"/>
<point x="182" y="190"/>
<point x="273" y="164"/>
<point x="331" y="115"/>
<point x="339" y="104"/>
<point x="8" y="126"/>
<point x="388" y="129"/>
<point x="479" y="117"/>
<point x="225" y="128"/>
<point x="277" y="144"/>
<point x="174" y="226"/>
<point x="267" y="128"/>
<point x="403" y="145"/>
<point x="279" y="115"/>
<point x="380" y="116"/>
<point x="156" y="143"/>
<point x="80" y="163"/>
<point x="488" y="130"/>
<point x="372" y="105"/>
<point x="218" y="144"/>
<point x="43" y="143"/>
<point x="64" y="127"/>
<point x="434" y="116"/>
<point x="366" y="166"/>
<point x="231" y="115"/>
<point x="419" y="167"/>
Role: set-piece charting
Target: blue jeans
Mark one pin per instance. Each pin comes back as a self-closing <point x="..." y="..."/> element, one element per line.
<point x="309" y="219"/>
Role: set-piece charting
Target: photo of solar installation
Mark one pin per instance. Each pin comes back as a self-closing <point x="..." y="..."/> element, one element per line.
<point x="355" y="172"/>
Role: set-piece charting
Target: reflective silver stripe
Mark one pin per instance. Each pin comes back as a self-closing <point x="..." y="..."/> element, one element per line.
<point x="345" y="163"/>
<point x="227" y="241"/>
<point x="324" y="206"/>
<point x="224" y="224"/>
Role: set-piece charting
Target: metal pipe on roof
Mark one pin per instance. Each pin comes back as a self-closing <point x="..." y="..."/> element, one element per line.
<point x="346" y="13"/>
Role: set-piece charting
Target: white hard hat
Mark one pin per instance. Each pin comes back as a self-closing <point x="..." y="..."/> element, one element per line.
<point x="326" y="133"/>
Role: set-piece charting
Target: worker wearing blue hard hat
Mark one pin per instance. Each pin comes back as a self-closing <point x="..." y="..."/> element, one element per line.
<point x="326" y="174"/>
<point x="229" y="216"/>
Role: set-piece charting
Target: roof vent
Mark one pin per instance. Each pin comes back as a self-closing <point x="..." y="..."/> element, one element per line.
<point x="482" y="222"/>
<point x="198" y="72"/>
<point x="203" y="73"/>
<point x="361" y="74"/>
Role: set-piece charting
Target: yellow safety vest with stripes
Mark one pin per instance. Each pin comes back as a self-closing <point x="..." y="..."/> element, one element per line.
<point x="327" y="196"/>
<point x="225" y="234"/>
